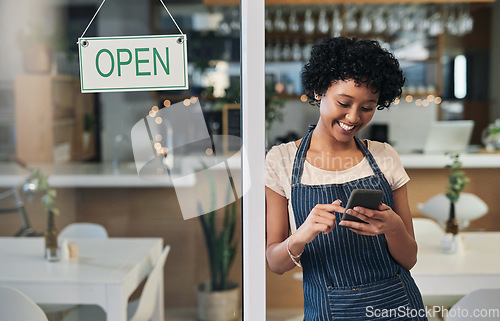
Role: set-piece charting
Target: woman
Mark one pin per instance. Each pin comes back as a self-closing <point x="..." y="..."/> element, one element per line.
<point x="352" y="270"/>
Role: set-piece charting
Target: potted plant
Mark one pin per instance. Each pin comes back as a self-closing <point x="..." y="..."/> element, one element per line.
<point x="48" y="199"/>
<point x="218" y="297"/>
<point x="457" y="181"/>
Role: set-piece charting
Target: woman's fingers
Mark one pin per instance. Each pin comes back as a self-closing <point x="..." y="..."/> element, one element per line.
<point x="333" y="207"/>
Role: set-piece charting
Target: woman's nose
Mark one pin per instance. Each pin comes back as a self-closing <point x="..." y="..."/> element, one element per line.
<point x="352" y="115"/>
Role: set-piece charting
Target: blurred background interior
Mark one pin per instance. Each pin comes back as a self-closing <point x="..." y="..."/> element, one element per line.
<point x="449" y="52"/>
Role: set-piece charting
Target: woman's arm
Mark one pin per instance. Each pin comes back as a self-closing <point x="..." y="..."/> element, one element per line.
<point x="395" y="223"/>
<point x="277" y="232"/>
<point x="402" y="244"/>
<point x="320" y="219"/>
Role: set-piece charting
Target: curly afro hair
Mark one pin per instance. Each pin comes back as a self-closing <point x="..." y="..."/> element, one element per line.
<point x="363" y="61"/>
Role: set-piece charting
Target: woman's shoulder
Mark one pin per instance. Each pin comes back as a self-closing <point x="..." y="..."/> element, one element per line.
<point x="381" y="149"/>
<point x="284" y="150"/>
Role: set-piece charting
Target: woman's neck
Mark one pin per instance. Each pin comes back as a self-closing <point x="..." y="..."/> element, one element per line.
<point x="322" y="140"/>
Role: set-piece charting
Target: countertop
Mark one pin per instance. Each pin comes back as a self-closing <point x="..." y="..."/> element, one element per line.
<point x="104" y="175"/>
<point x="469" y="160"/>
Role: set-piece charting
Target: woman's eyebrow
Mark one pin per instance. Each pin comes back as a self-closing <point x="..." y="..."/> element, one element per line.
<point x="349" y="96"/>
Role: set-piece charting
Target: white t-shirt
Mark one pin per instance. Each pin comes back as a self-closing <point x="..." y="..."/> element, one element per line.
<point x="279" y="164"/>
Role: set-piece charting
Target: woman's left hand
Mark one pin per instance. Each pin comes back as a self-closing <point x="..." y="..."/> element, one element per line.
<point x="381" y="221"/>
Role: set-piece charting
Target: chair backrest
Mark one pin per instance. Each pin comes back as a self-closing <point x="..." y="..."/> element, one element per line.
<point x="483" y="304"/>
<point x="83" y="230"/>
<point x="16" y="306"/>
<point x="147" y="302"/>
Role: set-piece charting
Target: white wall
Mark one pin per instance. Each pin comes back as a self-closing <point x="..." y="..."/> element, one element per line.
<point x="297" y="116"/>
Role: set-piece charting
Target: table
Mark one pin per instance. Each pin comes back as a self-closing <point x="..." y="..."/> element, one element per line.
<point x="440" y="274"/>
<point x="106" y="272"/>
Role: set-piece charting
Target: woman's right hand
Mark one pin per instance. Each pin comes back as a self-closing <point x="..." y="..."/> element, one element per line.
<point x="320" y="219"/>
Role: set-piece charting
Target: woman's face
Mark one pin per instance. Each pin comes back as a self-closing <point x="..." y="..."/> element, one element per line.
<point x="346" y="108"/>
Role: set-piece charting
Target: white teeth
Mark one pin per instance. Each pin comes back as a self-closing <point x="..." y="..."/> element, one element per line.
<point x="345" y="127"/>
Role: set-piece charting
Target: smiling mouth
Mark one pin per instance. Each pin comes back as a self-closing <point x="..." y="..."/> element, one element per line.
<point x="345" y="126"/>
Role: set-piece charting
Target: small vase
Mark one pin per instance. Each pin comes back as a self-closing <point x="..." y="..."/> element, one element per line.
<point x="451" y="223"/>
<point x="52" y="253"/>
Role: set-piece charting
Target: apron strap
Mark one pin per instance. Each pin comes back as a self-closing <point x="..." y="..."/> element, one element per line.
<point x="300" y="157"/>
<point x="371" y="160"/>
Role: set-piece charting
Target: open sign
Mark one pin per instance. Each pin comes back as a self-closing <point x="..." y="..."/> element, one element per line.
<point x="110" y="64"/>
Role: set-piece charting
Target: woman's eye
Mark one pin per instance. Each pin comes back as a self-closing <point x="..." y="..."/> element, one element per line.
<point x="367" y="108"/>
<point x="342" y="104"/>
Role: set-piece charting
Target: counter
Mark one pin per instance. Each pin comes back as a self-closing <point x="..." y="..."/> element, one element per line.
<point x="476" y="160"/>
<point x="104" y="175"/>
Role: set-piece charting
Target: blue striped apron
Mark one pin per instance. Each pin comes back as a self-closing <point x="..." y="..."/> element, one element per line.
<point x="347" y="276"/>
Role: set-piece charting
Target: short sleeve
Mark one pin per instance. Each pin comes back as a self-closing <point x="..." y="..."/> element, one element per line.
<point x="398" y="174"/>
<point x="275" y="170"/>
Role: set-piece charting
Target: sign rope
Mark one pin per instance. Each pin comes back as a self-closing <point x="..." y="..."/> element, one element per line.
<point x="102" y="3"/>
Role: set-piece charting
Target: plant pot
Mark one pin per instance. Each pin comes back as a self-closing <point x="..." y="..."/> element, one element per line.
<point x="218" y="305"/>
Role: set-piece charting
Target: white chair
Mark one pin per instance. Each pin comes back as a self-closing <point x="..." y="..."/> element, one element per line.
<point x="16" y="306"/>
<point x="138" y="310"/>
<point x="468" y="208"/>
<point x="422" y="226"/>
<point x="74" y="231"/>
<point x="83" y="230"/>
<point x="481" y="304"/>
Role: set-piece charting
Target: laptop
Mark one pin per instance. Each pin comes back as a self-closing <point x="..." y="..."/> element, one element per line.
<point x="448" y="136"/>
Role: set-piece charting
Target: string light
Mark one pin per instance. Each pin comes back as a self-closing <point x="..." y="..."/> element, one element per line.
<point x="186" y="102"/>
<point x="158" y="120"/>
<point x="420" y="101"/>
<point x="167" y="103"/>
<point x="303" y="98"/>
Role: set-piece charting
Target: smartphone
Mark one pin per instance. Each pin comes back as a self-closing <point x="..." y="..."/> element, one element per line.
<point x="368" y="198"/>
